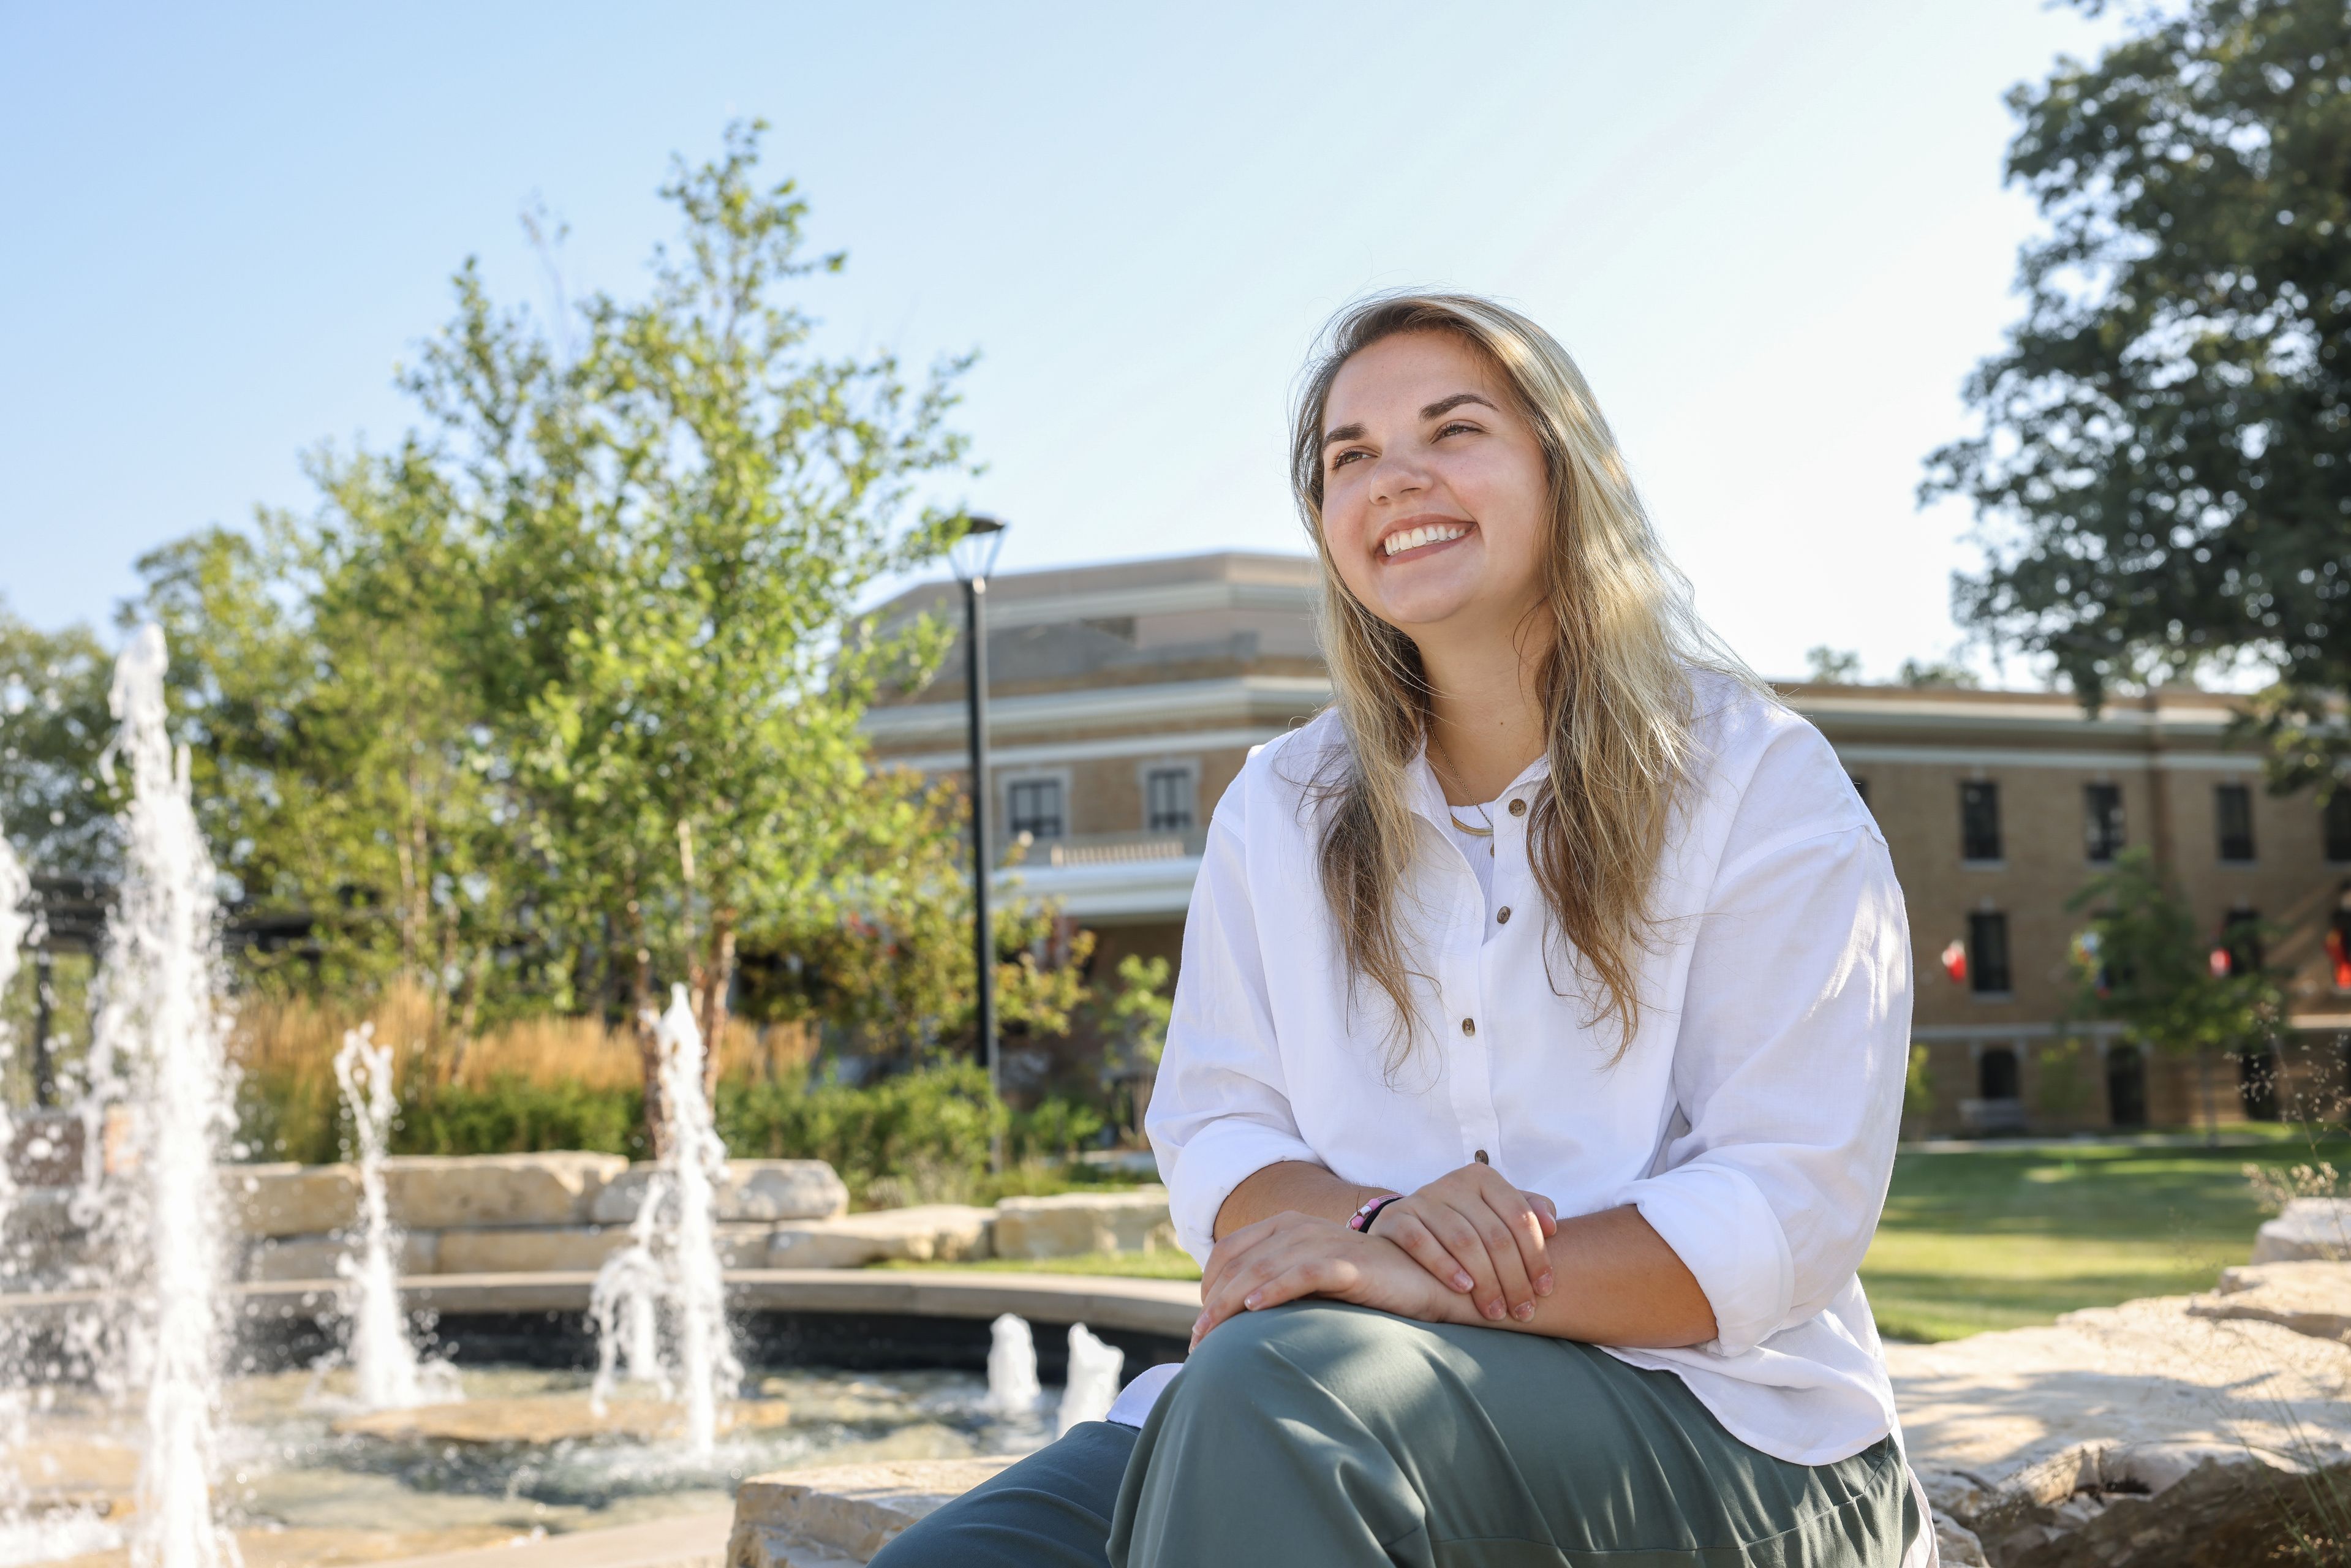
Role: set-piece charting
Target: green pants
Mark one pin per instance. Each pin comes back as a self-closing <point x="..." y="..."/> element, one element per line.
<point x="1318" y="1435"/>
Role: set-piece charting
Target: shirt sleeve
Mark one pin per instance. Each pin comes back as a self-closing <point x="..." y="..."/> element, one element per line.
<point x="1788" y="1071"/>
<point x="1220" y="1109"/>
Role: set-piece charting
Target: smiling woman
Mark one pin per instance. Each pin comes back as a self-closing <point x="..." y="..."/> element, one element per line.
<point x="1523" y="1241"/>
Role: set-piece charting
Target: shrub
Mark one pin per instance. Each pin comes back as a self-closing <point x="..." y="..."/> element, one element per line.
<point x="919" y="1137"/>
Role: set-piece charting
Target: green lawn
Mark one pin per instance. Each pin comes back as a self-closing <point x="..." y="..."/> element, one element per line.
<point x="2001" y="1237"/>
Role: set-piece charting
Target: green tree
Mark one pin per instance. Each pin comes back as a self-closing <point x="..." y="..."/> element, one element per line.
<point x="2143" y="962"/>
<point x="1832" y="666"/>
<point x="53" y="807"/>
<point x="348" y="769"/>
<point x="676" y="524"/>
<point x="1139" y="1011"/>
<point x="881" y="948"/>
<point x="1935" y="673"/>
<point x="2162" y="479"/>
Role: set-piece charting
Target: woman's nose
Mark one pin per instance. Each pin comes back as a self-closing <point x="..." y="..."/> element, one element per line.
<point x="1397" y="477"/>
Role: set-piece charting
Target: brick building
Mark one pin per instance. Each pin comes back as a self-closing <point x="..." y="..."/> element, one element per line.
<point x="1124" y="699"/>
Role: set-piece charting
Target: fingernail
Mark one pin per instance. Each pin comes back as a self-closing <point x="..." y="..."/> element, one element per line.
<point x="1542" y="1284"/>
<point x="1252" y="1299"/>
<point x="1526" y="1311"/>
<point x="1460" y="1281"/>
<point x="1493" y="1309"/>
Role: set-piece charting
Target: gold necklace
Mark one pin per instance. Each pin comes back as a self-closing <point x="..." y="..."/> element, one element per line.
<point x="1484" y="832"/>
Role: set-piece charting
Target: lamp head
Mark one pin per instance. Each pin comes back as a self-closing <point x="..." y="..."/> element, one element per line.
<point x="974" y="555"/>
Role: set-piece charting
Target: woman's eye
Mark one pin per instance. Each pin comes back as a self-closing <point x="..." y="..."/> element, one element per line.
<point x="1459" y="425"/>
<point x="1344" y="458"/>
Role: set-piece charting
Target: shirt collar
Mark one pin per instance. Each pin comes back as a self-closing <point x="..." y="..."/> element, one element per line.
<point x="1428" y="795"/>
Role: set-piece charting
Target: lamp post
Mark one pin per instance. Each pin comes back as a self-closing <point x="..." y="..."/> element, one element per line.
<point x="974" y="557"/>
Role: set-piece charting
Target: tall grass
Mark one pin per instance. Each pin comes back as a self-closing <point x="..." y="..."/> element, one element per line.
<point x="533" y="1084"/>
<point x="574" y="1084"/>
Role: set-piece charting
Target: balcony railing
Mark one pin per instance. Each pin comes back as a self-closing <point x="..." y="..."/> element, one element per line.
<point x="1078" y="849"/>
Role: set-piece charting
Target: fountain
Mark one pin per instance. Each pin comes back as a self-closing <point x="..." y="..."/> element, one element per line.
<point x="673" y="1262"/>
<point x="157" y="1059"/>
<point x="28" y="1533"/>
<point x="385" y="1367"/>
<point x="1012" y="1387"/>
<point x="1092" y="1381"/>
<point x="127" y="1358"/>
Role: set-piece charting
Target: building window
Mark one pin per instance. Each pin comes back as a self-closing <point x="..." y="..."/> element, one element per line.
<point x="2232" y="809"/>
<point x="2339" y="824"/>
<point x="2240" y="941"/>
<point x="2126" y="1086"/>
<point x="1996" y="1077"/>
<point x="1979" y="821"/>
<point x="2338" y="951"/>
<point x="1033" y="806"/>
<point x="1167" y="797"/>
<point x="1988" y="956"/>
<point x="2102" y="821"/>
<point x="2257" y="1084"/>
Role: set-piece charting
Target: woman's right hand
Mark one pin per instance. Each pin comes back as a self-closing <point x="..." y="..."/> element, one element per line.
<point x="1479" y="1237"/>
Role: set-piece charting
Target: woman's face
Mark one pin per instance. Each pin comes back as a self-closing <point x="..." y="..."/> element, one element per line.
<point x="1435" y="505"/>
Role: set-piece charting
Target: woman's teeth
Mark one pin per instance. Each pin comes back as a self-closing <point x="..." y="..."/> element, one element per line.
<point x="1428" y="534"/>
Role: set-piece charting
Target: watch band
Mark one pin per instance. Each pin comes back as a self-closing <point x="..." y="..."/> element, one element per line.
<point x="1362" y="1218"/>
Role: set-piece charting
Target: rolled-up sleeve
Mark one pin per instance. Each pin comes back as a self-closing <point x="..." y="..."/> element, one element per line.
<point x="1220" y="1109"/>
<point x="1789" y="1066"/>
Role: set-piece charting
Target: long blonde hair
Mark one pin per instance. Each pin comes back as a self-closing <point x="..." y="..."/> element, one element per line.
<point x="1615" y="681"/>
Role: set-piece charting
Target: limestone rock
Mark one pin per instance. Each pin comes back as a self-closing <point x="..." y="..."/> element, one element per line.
<point x="1956" y="1545"/>
<point x="1072" y="1223"/>
<point x="316" y="1257"/>
<point x="41" y="1214"/>
<point x="572" y="1249"/>
<point x="842" y="1513"/>
<point x="926" y="1233"/>
<point x="292" y="1200"/>
<point x="2311" y="1228"/>
<point x="756" y="1190"/>
<point x="2307" y="1297"/>
<point x="435" y="1192"/>
<point x="2138" y="1434"/>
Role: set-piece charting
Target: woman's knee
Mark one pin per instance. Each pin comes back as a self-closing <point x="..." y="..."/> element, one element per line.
<point x="1250" y="1353"/>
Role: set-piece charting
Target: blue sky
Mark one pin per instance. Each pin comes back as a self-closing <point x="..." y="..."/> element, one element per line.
<point x="1774" y="233"/>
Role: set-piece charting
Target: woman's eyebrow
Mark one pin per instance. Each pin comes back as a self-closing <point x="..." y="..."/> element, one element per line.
<point x="1446" y="405"/>
<point x="1345" y="432"/>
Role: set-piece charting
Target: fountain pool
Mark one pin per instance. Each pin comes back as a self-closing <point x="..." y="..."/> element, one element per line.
<point x="309" y="1477"/>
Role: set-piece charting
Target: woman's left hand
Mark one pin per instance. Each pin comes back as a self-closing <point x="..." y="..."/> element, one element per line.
<point x="1293" y="1255"/>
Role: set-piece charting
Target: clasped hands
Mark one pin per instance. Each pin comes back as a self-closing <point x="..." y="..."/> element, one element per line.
<point x="1466" y="1248"/>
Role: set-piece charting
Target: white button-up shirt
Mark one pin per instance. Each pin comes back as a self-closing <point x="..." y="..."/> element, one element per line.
<point x="1752" y="1120"/>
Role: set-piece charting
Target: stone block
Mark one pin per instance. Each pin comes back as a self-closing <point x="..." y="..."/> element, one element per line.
<point x="432" y="1192"/>
<point x="2307" y="1296"/>
<point x="842" y="1513"/>
<point x="2316" y="1229"/>
<point x="756" y="1191"/>
<point x="41" y="1214"/>
<point x="572" y="1248"/>
<point x="1072" y="1223"/>
<point x="933" y="1232"/>
<point x="280" y="1258"/>
<point x="286" y="1200"/>
<point x="2143" y="1434"/>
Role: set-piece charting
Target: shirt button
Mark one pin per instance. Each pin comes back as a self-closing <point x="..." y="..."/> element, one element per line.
<point x="1503" y="915"/>
<point x="1518" y="808"/>
<point x="1482" y="1159"/>
<point x="1469" y="1026"/>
